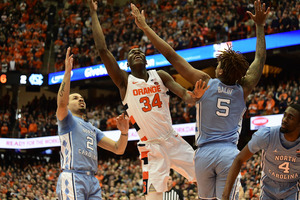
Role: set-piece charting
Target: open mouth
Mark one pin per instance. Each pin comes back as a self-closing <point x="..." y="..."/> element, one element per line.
<point x="137" y="58"/>
<point x="81" y="104"/>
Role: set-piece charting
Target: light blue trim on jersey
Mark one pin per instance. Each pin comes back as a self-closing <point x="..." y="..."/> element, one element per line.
<point x="66" y="147"/>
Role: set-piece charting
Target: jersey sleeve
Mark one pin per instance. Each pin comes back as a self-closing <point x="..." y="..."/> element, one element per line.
<point x="260" y="140"/>
<point x="99" y="135"/>
<point x="65" y="124"/>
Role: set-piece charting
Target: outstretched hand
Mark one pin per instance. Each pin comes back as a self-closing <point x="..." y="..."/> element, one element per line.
<point x="93" y="4"/>
<point x="68" y="61"/>
<point x="200" y="89"/>
<point x="140" y="20"/>
<point x="260" y="13"/>
<point x="123" y="123"/>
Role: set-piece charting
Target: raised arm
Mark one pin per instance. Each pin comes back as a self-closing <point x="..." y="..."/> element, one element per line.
<point x="184" y="94"/>
<point x="242" y="157"/>
<point x="119" y="146"/>
<point x="255" y="70"/>
<point x="182" y="66"/>
<point x="118" y="76"/>
<point x="64" y="89"/>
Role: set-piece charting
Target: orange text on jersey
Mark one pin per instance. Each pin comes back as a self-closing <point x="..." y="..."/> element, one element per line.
<point x="146" y="90"/>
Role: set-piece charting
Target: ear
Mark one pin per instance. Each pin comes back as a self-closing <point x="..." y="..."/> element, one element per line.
<point x="220" y="72"/>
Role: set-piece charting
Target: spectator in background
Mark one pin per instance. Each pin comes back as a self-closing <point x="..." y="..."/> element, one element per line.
<point x="32" y="129"/>
<point x="261" y="104"/>
<point x="4" y="130"/>
<point x="253" y="108"/>
<point x="270" y="104"/>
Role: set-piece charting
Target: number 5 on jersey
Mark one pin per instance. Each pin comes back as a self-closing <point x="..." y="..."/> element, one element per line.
<point x="147" y="105"/>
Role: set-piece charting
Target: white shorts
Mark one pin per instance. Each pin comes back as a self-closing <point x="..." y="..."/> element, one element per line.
<point x="158" y="157"/>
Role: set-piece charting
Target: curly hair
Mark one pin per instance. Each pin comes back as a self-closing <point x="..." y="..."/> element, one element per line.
<point x="234" y="66"/>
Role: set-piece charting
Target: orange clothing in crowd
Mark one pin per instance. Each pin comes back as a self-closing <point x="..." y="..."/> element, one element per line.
<point x="253" y="107"/>
<point x="23" y="131"/>
<point x="111" y="123"/>
<point x="4" y="130"/>
<point x="32" y="128"/>
<point x="270" y="106"/>
<point x="260" y="104"/>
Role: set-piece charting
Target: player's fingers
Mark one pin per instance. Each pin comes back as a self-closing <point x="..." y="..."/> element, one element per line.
<point x="204" y="85"/>
<point x="68" y="52"/>
<point x="255" y="6"/>
<point x="264" y="7"/>
<point x="259" y="5"/>
<point x="250" y="14"/>
<point x="206" y="88"/>
<point x="267" y="11"/>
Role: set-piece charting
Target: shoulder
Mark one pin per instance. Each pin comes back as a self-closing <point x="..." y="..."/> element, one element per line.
<point x="164" y="75"/>
<point x="66" y="119"/>
<point x="263" y="132"/>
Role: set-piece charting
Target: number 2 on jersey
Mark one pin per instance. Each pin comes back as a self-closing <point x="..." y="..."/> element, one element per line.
<point x="146" y="101"/>
<point x="89" y="143"/>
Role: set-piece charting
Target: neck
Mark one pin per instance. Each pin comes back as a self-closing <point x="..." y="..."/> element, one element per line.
<point x="80" y="115"/>
<point x="293" y="136"/>
<point x="142" y="74"/>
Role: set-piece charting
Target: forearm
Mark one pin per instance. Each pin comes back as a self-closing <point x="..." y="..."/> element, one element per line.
<point x="98" y="33"/>
<point x="260" y="43"/>
<point x="121" y="143"/>
<point x="162" y="46"/>
<point x="260" y="54"/>
<point x="231" y="177"/>
<point x="64" y="90"/>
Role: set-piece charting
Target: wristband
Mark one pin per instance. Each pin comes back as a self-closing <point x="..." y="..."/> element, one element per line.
<point x="124" y="134"/>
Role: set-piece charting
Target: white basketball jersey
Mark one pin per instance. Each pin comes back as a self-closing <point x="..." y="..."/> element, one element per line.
<point x="147" y="105"/>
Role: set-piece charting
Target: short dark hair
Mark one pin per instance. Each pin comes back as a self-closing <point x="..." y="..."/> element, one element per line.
<point x="234" y="66"/>
<point x="296" y="106"/>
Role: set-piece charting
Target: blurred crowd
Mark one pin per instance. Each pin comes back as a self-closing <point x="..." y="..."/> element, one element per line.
<point x="23" y="34"/>
<point x="120" y="179"/>
<point x="37" y="118"/>
<point x="28" y="27"/>
<point x="183" y="24"/>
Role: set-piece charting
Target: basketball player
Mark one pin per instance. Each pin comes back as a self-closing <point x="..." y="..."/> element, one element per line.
<point x="280" y="158"/>
<point x="144" y="95"/>
<point x="79" y="140"/>
<point x="221" y="108"/>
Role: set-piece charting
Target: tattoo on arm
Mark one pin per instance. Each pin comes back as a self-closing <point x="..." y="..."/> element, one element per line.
<point x="61" y="92"/>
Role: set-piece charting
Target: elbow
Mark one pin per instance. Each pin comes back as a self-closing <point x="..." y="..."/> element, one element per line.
<point x="120" y="152"/>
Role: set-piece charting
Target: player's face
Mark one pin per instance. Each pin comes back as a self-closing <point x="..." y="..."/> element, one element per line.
<point x="76" y="103"/>
<point x="136" y="56"/>
<point x="290" y="120"/>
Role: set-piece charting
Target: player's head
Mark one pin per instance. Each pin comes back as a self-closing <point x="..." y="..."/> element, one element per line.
<point x="291" y="119"/>
<point x="76" y="104"/>
<point x="136" y="58"/>
<point x="232" y="66"/>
